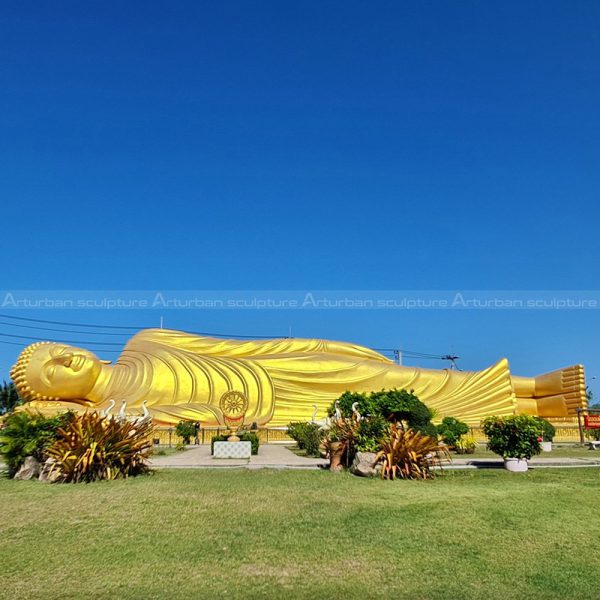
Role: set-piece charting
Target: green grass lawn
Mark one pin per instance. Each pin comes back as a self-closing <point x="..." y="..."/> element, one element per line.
<point x="304" y="534"/>
<point x="166" y="451"/>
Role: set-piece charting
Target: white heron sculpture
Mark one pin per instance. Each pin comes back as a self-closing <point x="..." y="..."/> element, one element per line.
<point x="106" y="413"/>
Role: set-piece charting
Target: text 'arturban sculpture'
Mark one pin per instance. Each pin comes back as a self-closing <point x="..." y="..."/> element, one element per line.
<point x="183" y="376"/>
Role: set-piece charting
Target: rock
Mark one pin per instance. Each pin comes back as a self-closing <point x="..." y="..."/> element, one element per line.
<point x="45" y="474"/>
<point x="363" y="465"/>
<point x="30" y="469"/>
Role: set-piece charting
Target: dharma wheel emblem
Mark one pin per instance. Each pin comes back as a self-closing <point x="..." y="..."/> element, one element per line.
<point x="233" y="406"/>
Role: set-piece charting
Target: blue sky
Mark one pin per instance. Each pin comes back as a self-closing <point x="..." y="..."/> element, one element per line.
<point x="325" y="146"/>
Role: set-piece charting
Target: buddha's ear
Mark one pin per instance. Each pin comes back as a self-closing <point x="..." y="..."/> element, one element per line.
<point x="105" y="362"/>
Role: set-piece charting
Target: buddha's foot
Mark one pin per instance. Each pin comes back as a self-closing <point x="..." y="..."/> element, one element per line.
<point x="567" y="383"/>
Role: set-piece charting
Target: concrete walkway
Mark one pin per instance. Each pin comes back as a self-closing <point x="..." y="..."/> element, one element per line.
<point x="271" y="456"/>
<point x="278" y="456"/>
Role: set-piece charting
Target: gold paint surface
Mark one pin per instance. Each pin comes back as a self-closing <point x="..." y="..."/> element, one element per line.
<point x="183" y="376"/>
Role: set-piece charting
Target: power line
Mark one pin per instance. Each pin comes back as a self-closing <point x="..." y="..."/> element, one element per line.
<point x="35" y="339"/>
<point x="410" y="353"/>
<point x="60" y="330"/>
<point x="69" y="324"/>
<point x="405" y="352"/>
<point x="20" y="344"/>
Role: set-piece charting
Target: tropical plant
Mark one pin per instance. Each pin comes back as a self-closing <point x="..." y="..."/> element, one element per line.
<point x="92" y="447"/>
<point x="341" y="437"/>
<point x="451" y="430"/>
<point x="515" y="436"/>
<point x="186" y="430"/>
<point x="342" y="430"/>
<point x="408" y="454"/>
<point x="548" y="430"/>
<point x="29" y="434"/>
<point x="245" y="436"/>
<point x="9" y="397"/>
<point x="309" y="437"/>
<point x="465" y="445"/>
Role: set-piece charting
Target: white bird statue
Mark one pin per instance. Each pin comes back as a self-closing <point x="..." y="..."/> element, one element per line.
<point x="355" y="412"/>
<point x="314" y="415"/>
<point x="338" y="412"/>
<point x="122" y="414"/>
<point x="146" y="416"/>
<point x="106" y="413"/>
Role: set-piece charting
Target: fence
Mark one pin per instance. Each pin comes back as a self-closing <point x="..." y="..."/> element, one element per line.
<point x="567" y="430"/>
<point x="564" y="433"/>
<point x="166" y="436"/>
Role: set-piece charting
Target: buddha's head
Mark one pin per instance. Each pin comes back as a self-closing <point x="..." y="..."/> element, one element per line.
<point x="51" y="371"/>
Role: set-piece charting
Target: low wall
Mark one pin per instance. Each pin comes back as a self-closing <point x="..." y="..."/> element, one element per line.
<point x="166" y="436"/>
<point x="567" y="430"/>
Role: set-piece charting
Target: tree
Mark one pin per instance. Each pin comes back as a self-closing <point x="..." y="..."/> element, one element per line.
<point x="9" y="397"/>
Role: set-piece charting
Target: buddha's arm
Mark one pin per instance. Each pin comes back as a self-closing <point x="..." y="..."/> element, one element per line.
<point x="205" y="414"/>
<point x="278" y="347"/>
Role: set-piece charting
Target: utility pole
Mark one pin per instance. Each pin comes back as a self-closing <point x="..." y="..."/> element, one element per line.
<point x="161" y="321"/>
<point x="398" y="357"/>
<point x="452" y="359"/>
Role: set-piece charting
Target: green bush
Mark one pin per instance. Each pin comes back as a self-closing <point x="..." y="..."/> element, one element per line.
<point x="548" y="430"/>
<point x="186" y="430"/>
<point x="393" y="405"/>
<point x="29" y="434"/>
<point x="466" y="445"/>
<point x="516" y="436"/>
<point x="347" y="399"/>
<point x="400" y="405"/>
<point x="308" y="437"/>
<point x="370" y="433"/>
<point x="245" y="436"/>
<point x="593" y="434"/>
<point x="451" y="430"/>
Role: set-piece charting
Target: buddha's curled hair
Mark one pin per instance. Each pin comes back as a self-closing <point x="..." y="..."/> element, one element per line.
<point x="19" y="376"/>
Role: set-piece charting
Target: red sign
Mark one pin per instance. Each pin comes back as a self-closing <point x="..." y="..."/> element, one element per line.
<point x="592" y="421"/>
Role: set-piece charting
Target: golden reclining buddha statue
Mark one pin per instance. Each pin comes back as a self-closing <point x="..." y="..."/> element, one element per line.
<point x="183" y="376"/>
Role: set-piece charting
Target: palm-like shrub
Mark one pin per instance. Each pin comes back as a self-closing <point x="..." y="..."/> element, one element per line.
<point x="408" y="454"/>
<point x="92" y="447"/>
<point x="29" y="434"/>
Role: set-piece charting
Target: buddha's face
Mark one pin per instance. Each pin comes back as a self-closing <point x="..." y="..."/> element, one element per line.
<point x="61" y="371"/>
